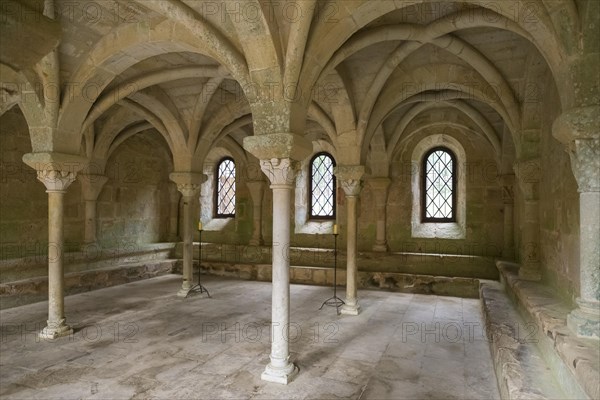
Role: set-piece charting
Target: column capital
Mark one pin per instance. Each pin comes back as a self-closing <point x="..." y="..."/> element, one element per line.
<point x="188" y="183"/>
<point x="576" y="124"/>
<point x="280" y="171"/>
<point x="528" y="176"/>
<point x="585" y="163"/>
<point x="55" y="170"/>
<point x="349" y="177"/>
<point x="91" y="185"/>
<point x="278" y="146"/>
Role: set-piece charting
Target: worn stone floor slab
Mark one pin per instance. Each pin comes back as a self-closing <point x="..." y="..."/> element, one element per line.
<point x="140" y="340"/>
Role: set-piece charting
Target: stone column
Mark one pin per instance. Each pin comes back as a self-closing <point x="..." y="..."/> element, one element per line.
<point x="257" y="190"/>
<point x="281" y="174"/>
<point x="188" y="183"/>
<point x="349" y="178"/>
<point x="91" y="186"/>
<point x="278" y="154"/>
<point x="527" y="174"/>
<point x="173" y="213"/>
<point x="56" y="171"/>
<point x="579" y="130"/>
<point x="508" y="198"/>
<point x="380" y="187"/>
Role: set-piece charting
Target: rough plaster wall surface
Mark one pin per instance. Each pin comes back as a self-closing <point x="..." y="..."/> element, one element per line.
<point x="133" y="206"/>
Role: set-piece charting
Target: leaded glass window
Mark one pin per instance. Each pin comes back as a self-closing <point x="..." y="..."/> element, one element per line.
<point x="439" y="187"/>
<point x="225" y="189"/>
<point x="322" y="187"/>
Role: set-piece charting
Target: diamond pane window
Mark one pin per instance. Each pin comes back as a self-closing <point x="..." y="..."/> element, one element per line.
<point x="322" y="187"/>
<point x="225" y="193"/>
<point x="439" y="177"/>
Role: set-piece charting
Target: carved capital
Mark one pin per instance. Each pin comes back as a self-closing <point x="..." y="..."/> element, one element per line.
<point x="56" y="180"/>
<point x="188" y="183"/>
<point x="349" y="177"/>
<point x="280" y="171"/>
<point x="351" y="187"/>
<point x="528" y="174"/>
<point x="188" y="189"/>
<point x="585" y="163"/>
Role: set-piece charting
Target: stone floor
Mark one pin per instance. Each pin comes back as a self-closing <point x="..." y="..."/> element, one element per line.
<point x="140" y="341"/>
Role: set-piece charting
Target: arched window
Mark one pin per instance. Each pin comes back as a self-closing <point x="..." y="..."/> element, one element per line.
<point x="225" y="189"/>
<point x="322" y="187"/>
<point x="439" y="186"/>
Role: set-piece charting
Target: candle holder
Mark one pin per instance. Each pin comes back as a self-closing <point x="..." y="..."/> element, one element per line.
<point x="198" y="288"/>
<point x="334" y="301"/>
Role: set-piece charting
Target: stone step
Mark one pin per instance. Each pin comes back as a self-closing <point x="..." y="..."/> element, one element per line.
<point x="520" y="368"/>
<point x="33" y="290"/>
<point x="471" y="265"/>
<point x="574" y="361"/>
<point x="34" y="264"/>
<point x="389" y="281"/>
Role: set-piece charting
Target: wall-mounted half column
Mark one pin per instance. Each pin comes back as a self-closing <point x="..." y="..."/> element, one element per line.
<point x="349" y="178"/>
<point x="56" y="172"/>
<point x="257" y="190"/>
<point x="527" y="173"/>
<point x="188" y="183"/>
<point x="91" y="186"/>
<point x="508" y="198"/>
<point x="579" y="130"/>
<point x="380" y="188"/>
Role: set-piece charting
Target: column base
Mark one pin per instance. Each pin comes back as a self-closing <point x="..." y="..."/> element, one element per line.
<point x="256" y="242"/>
<point x="584" y="321"/>
<point x="185" y="289"/>
<point x="350" y="309"/>
<point x="381" y="248"/>
<point x="55" y="330"/>
<point x="530" y="274"/>
<point x="279" y="375"/>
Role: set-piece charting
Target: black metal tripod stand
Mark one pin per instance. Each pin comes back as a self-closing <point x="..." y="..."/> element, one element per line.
<point x="334" y="301"/>
<point x="198" y="288"/>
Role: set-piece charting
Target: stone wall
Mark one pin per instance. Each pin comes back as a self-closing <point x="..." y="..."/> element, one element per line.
<point x="559" y="208"/>
<point x="133" y="207"/>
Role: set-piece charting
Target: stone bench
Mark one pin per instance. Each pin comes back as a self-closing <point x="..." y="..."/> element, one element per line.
<point x="573" y="362"/>
<point x="390" y="281"/>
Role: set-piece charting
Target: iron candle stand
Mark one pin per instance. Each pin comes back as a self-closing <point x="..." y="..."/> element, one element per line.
<point x="198" y="288"/>
<point x="334" y="301"/>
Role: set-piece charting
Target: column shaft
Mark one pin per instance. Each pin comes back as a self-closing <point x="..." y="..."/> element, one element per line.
<point x="351" y="268"/>
<point x="188" y="274"/>
<point x="90" y="221"/>
<point x="281" y="277"/>
<point x="508" y="248"/>
<point x="56" y="325"/>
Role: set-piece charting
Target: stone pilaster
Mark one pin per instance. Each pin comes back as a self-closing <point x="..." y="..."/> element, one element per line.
<point x="91" y="186"/>
<point x="380" y="187"/>
<point x="349" y="178"/>
<point x="173" y="213"/>
<point x="508" y="198"/>
<point x="527" y="173"/>
<point x="257" y="190"/>
<point x="57" y="172"/>
<point x="579" y="130"/>
<point x="188" y="183"/>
